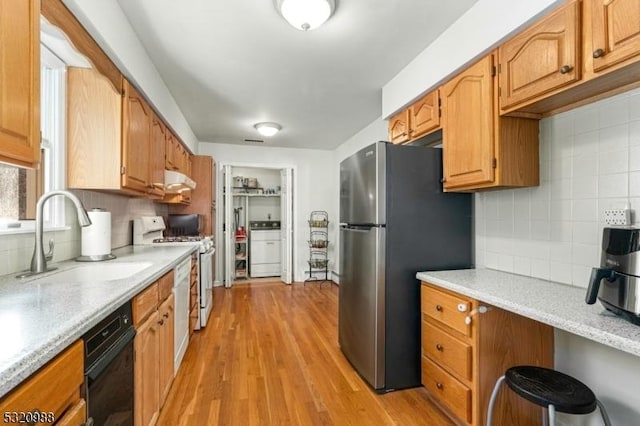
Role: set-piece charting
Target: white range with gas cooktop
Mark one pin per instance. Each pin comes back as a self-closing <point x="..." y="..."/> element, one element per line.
<point x="148" y="230"/>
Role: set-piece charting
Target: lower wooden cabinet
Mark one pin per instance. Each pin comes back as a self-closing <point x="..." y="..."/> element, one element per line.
<point x="54" y="391"/>
<point x="465" y="351"/>
<point x="153" y="313"/>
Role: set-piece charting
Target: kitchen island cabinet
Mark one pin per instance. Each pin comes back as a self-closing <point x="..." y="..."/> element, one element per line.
<point x="481" y="149"/>
<point x="20" y="83"/>
<point x="467" y="345"/>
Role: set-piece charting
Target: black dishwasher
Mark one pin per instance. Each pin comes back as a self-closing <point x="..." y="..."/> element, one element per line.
<point x="108" y="360"/>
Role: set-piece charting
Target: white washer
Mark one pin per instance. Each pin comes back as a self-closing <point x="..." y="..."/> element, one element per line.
<point x="264" y="253"/>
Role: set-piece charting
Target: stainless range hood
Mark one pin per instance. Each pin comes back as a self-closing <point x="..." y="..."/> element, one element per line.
<point x="177" y="182"/>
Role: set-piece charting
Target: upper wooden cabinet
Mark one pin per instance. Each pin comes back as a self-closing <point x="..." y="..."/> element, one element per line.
<point x="203" y="197"/>
<point x="539" y="76"/>
<point x="615" y="31"/>
<point x="542" y="58"/>
<point x="136" y="140"/>
<point x="417" y="120"/>
<point x="157" y="157"/>
<point x="20" y="82"/>
<point x="112" y="142"/>
<point x="399" y="127"/>
<point x="480" y="148"/>
<point x="424" y="115"/>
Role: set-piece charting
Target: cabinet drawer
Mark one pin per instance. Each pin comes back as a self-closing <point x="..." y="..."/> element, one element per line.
<point x="75" y="416"/>
<point x="445" y="308"/>
<point x="165" y="285"/>
<point x="54" y="388"/>
<point x="446" y="389"/>
<point x="447" y="351"/>
<point x="265" y="270"/>
<point x="145" y="303"/>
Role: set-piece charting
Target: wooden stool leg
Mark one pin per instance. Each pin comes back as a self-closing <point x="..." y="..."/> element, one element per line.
<point x="492" y="400"/>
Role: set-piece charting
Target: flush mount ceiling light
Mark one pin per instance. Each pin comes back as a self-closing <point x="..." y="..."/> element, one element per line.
<point x="306" y="15"/>
<point x="267" y="129"/>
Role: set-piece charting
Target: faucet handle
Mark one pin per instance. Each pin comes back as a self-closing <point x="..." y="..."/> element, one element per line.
<point x="49" y="255"/>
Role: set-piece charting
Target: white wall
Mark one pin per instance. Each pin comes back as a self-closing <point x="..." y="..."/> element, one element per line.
<point x="108" y="25"/>
<point x="313" y="182"/>
<point x="482" y="27"/>
<point x="589" y="162"/>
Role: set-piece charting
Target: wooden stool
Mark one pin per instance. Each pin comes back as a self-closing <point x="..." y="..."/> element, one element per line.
<point x="549" y="389"/>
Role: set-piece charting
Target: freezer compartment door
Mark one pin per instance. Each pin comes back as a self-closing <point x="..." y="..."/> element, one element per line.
<point x="361" y="303"/>
<point x="362" y="186"/>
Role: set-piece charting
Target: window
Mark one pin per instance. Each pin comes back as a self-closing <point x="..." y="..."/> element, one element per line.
<point x="20" y="188"/>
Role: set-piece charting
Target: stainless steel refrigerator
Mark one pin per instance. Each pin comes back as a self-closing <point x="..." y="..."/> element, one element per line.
<point x="394" y="221"/>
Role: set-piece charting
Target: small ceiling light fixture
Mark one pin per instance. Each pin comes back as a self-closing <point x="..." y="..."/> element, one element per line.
<point x="267" y="129"/>
<point x="306" y="15"/>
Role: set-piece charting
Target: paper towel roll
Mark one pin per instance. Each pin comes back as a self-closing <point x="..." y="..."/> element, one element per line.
<point x="96" y="238"/>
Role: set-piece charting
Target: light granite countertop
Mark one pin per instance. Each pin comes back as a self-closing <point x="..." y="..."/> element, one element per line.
<point x="39" y="319"/>
<point x="557" y="305"/>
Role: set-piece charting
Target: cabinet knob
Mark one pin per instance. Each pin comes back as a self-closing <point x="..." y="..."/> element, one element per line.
<point x="566" y="69"/>
<point x="439" y="347"/>
<point x="438" y="308"/>
<point x="439" y="385"/>
<point x="166" y="315"/>
<point x="598" y="53"/>
<point x="161" y="322"/>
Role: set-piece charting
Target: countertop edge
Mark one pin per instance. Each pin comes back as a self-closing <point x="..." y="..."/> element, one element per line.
<point x="14" y="374"/>
<point x="587" y="331"/>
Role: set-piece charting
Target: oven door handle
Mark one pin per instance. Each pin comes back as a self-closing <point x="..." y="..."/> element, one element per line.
<point x="101" y="364"/>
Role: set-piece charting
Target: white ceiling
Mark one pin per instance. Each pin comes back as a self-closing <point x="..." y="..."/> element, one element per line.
<point x="231" y="64"/>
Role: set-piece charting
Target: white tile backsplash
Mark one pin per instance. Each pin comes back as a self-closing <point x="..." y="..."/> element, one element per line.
<point x="590" y="161"/>
<point x="16" y="250"/>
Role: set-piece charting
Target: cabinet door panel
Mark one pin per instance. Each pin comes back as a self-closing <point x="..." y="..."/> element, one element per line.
<point x="157" y="155"/>
<point x="20" y="82"/>
<point x="542" y="58"/>
<point x="166" y="347"/>
<point x="424" y="115"/>
<point x="616" y="31"/>
<point x="399" y="127"/>
<point x="146" y="372"/>
<point x="468" y="135"/>
<point x="136" y="137"/>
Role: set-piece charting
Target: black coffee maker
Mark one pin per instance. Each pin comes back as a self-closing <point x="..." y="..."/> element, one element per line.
<point x="617" y="281"/>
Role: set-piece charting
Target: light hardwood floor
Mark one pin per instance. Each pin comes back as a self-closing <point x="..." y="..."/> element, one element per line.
<point x="270" y="356"/>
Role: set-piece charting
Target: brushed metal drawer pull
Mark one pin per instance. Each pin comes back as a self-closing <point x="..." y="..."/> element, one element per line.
<point x="598" y="53"/>
<point x="566" y="69"/>
<point x="439" y="385"/>
<point x="439" y="347"/>
<point x="438" y="308"/>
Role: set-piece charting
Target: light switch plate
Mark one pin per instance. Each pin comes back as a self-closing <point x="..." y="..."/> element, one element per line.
<point x="617" y="216"/>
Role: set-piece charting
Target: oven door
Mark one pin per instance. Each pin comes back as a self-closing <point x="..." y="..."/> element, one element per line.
<point x="109" y="384"/>
<point x="206" y="285"/>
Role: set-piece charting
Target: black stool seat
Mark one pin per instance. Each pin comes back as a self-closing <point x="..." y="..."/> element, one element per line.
<point x="543" y="387"/>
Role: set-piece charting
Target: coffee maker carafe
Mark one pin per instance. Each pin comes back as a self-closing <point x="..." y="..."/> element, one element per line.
<point x="616" y="283"/>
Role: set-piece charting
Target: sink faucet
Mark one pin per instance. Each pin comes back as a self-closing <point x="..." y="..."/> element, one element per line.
<point x="39" y="259"/>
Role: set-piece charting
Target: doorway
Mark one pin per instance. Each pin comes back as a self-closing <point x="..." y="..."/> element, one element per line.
<point x="257" y="224"/>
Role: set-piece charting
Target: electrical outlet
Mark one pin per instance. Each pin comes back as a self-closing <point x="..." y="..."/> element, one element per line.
<point x="617" y="216"/>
